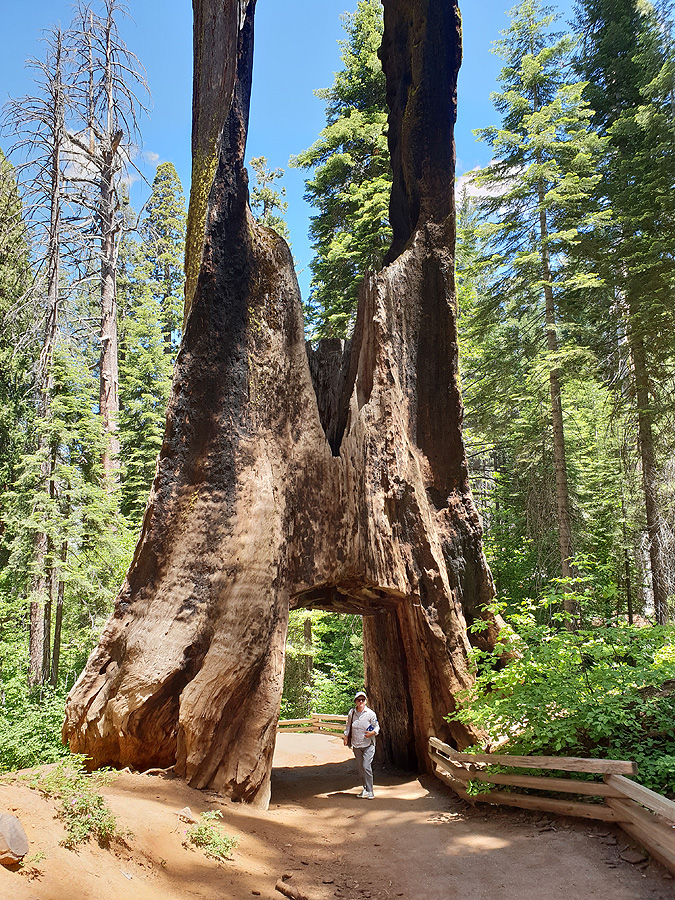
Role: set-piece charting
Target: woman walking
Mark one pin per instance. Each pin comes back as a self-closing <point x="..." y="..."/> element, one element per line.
<point x="360" y="732"/>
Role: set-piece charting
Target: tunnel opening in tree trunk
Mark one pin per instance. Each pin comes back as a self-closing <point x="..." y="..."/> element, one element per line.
<point x="282" y="485"/>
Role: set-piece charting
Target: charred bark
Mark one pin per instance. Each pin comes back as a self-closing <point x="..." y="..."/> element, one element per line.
<point x="338" y="485"/>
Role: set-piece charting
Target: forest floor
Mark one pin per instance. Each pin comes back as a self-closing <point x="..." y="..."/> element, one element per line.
<point x="415" y="841"/>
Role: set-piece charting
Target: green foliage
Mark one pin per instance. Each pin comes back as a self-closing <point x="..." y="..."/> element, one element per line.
<point x="267" y="203"/>
<point x="324" y="663"/>
<point x="16" y="356"/>
<point x="351" y="181"/>
<point x="208" y="837"/>
<point x="150" y="297"/>
<point x="554" y="164"/>
<point x="30" y="724"/>
<point x="163" y="248"/>
<point x="83" y="809"/>
<point x="606" y="691"/>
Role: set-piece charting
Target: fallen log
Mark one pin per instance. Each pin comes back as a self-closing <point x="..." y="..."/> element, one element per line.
<point x="289" y="891"/>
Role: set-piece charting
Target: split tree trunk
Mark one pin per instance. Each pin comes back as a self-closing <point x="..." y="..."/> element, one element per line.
<point x="331" y="479"/>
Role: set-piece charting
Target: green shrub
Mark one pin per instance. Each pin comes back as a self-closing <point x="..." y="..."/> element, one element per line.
<point x="599" y="692"/>
<point x="30" y="726"/>
<point x="83" y="809"/>
<point x="208" y="837"/>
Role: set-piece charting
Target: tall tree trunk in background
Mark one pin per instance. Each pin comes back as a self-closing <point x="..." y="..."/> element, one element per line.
<point x="58" y="618"/>
<point x="649" y="471"/>
<point x="107" y="111"/>
<point x="110" y="166"/>
<point x="309" y="658"/>
<point x="289" y="478"/>
<point x="559" y="457"/>
<point x="109" y="373"/>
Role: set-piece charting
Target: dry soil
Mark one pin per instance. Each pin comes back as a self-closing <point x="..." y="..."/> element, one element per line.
<point x="414" y="840"/>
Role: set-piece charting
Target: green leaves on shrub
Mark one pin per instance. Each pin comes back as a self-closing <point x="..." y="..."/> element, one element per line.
<point x="208" y="837"/>
<point x="83" y="809"/>
<point x="600" y="692"/>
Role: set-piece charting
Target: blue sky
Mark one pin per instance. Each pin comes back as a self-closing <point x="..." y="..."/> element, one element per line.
<point x="296" y="52"/>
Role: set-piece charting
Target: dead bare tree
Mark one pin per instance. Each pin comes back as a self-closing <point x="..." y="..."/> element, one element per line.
<point x="106" y="111"/>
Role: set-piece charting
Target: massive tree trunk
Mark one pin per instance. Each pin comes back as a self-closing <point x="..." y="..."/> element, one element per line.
<point x="332" y="478"/>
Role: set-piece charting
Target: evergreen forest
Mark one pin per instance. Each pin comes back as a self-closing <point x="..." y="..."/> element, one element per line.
<point x="565" y="277"/>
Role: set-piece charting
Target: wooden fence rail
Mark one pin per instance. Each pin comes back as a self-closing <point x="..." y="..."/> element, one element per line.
<point x="319" y="723"/>
<point x="646" y="816"/>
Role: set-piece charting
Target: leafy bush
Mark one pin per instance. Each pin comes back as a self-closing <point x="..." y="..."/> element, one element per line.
<point x="599" y="692"/>
<point x="83" y="809"/>
<point x="208" y="837"/>
<point x="30" y="731"/>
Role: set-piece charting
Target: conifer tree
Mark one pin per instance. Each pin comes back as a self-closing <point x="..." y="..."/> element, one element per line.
<point x="163" y="234"/>
<point x="351" y="181"/>
<point x="150" y="289"/>
<point x="267" y="203"/>
<point x="39" y="123"/>
<point x="107" y="107"/>
<point x="15" y="359"/>
<point x="628" y="63"/>
<point x="538" y="186"/>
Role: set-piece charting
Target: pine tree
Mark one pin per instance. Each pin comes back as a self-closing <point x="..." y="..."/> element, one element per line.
<point x="104" y="127"/>
<point x="150" y="289"/>
<point x="625" y="57"/>
<point x="163" y="233"/>
<point x="40" y="125"/>
<point x="15" y="357"/>
<point x="539" y="188"/>
<point x="351" y="181"/>
<point x="267" y="203"/>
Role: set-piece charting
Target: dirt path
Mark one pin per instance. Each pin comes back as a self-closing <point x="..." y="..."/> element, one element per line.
<point x="414" y="841"/>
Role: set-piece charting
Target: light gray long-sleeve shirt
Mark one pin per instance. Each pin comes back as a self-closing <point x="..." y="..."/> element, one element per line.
<point x="361" y="737"/>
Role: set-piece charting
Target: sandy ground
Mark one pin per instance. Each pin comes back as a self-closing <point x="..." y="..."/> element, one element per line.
<point x="415" y="840"/>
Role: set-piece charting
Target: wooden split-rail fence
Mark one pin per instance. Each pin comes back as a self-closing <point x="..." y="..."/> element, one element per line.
<point x="317" y="722"/>
<point x="648" y="817"/>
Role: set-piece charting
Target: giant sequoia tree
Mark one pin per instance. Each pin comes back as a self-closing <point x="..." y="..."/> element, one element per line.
<point x="334" y="479"/>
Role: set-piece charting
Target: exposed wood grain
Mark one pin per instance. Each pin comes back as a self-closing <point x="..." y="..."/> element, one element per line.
<point x="456" y="785"/>
<point x="283" y="481"/>
<point x="631" y="812"/>
<point x="293" y="893"/>
<point x="548" y="804"/>
<point x="656" y="802"/>
<point x="559" y="763"/>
